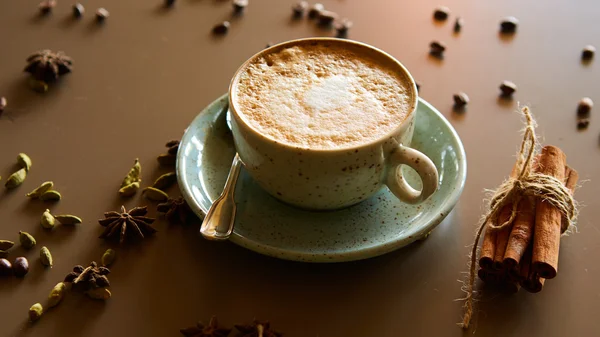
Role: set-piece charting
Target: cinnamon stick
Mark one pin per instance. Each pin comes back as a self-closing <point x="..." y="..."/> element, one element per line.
<point x="514" y="273"/>
<point x="520" y="235"/>
<point x="483" y="275"/>
<point x="571" y="179"/>
<point x="534" y="283"/>
<point x="530" y="280"/>
<point x="546" y="239"/>
<point x="489" y="276"/>
<point x="509" y="286"/>
<point x="503" y="234"/>
<point x="502" y="237"/>
<point x="488" y="246"/>
<point x="488" y="249"/>
<point x="492" y="277"/>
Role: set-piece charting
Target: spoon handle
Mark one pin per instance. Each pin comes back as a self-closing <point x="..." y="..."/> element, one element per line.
<point x="218" y="223"/>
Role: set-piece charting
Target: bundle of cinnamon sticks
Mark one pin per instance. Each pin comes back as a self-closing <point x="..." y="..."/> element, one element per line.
<point x="525" y="253"/>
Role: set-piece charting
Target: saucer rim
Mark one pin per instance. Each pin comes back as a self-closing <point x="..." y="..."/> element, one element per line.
<point x="374" y="250"/>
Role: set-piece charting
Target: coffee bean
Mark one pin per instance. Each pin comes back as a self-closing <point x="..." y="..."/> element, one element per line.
<point x="3" y="103"/>
<point x="583" y="124"/>
<point x="269" y="45"/>
<point x="588" y="52"/>
<point x="458" y="24"/>
<point x="5" y="267"/>
<point x="441" y="13"/>
<point x="509" y="25"/>
<point x="342" y="27"/>
<point x="418" y="86"/>
<point x="169" y="3"/>
<point x="221" y="28"/>
<point x="315" y="10"/>
<point x="437" y="48"/>
<point x="239" y="5"/>
<point x="326" y="18"/>
<point x="78" y="10"/>
<point x="460" y="99"/>
<point x="46" y="6"/>
<point x="584" y="107"/>
<point x="20" y="267"/>
<point x="299" y="9"/>
<point x="101" y="15"/>
<point x="508" y="88"/>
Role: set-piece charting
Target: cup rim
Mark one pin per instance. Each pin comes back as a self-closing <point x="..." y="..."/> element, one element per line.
<point x="413" y="86"/>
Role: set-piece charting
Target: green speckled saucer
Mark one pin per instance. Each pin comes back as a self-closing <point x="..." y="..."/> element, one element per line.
<point x="371" y="228"/>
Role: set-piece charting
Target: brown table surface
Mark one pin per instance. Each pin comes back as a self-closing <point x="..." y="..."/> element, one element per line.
<point x="143" y="76"/>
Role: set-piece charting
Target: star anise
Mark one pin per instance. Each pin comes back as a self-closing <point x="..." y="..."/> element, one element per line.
<point x="127" y="224"/>
<point x="211" y="330"/>
<point x="258" y="329"/>
<point x="47" y="66"/>
<point x="88" y="278"/>
<point x="169" y="158"/>
<point x="176" y="211"/>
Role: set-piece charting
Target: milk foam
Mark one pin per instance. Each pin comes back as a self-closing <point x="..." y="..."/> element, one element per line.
<point x="322" y="97"/>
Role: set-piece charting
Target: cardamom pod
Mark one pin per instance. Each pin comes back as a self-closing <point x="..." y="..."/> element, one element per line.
<point x="67" y="219"/>
<point x="134" y="174"/>
<point x="6" y="245"/>
<point x="50" y="195"/>
<point x="45" y="186"/>
<point x="129" y="190"/>
<point x="99" y="293"/>
<point x="3" y="254"/>
<point x="56" y="294"/>
<point x="165" y="181"/>
<point x="16" y="179"/>
<point x="108" y="257"/>
<point x="35" y="312"/>
<point x="27" y="240"/>
<point x="155" y="194"/>
<point x="46" y="257"/>
<point x="167" y="159"/>
<point x="47" y="220"/>
<point x="24" y="161"/>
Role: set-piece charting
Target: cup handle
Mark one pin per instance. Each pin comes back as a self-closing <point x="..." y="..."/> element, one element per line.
<point x="419" y="162"/>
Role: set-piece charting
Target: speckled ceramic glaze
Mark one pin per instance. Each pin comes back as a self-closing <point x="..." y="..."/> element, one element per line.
<point x="266" y="225"/>
<point x="326" y="179"/>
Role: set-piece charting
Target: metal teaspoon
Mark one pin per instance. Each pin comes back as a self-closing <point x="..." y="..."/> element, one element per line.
<point x="218" y="222"/>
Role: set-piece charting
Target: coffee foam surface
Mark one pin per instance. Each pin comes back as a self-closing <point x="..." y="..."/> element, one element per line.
<point x="322" y="97"/>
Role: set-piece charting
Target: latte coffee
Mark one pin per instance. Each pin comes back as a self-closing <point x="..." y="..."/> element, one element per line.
<point x="323" y="95"/>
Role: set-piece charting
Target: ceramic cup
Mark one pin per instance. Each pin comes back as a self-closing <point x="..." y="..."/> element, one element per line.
<point x="325" y="179"/>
